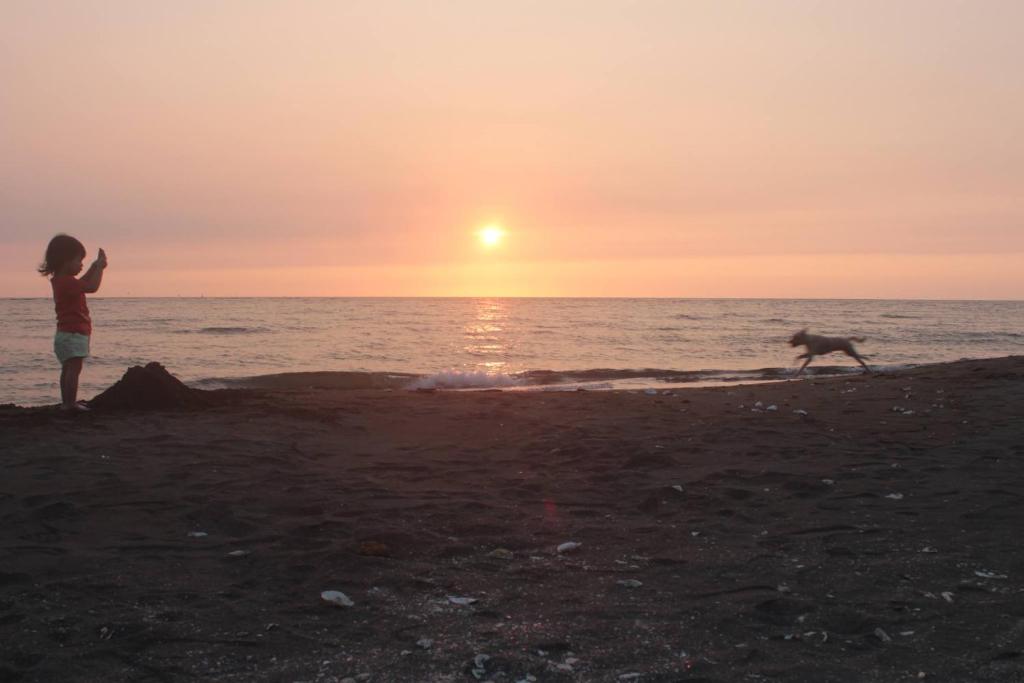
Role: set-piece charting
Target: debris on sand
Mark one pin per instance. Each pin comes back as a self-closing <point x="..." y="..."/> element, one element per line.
<point x="479" y="666"/>
<point x="989" y="574"/>
<point x="149" y="388"/>
<point x="373" y="549"/>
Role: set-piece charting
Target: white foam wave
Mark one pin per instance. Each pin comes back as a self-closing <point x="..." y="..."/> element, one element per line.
<point x="456" y="379"/>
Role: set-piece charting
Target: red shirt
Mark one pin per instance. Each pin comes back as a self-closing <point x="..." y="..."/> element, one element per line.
<point x="69" y="302"/>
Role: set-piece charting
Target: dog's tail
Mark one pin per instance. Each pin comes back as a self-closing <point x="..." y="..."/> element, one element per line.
<point x="859" y="340"/>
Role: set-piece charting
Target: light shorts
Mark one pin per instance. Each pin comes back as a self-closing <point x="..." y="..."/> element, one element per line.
<point x="69" y="345"/>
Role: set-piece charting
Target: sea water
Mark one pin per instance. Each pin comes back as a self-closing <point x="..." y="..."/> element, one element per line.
<point x="493" y="342"/>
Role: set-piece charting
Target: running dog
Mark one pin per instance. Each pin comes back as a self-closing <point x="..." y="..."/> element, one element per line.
<point x="819" y="346"/>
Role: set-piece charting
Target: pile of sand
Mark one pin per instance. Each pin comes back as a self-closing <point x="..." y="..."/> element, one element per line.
<point x="149" y="388"/>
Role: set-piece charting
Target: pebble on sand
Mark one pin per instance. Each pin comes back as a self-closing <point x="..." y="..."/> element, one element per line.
<point x="456" y="600"/>
<point x="336" y="598"/>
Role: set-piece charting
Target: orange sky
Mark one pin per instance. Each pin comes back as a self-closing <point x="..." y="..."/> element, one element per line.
<point x="653" y="148"/>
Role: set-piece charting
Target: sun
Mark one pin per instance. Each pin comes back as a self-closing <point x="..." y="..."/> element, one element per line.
<point x="491" y="235"/>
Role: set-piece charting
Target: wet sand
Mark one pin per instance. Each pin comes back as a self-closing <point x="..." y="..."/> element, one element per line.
<point x="875" y="536"/>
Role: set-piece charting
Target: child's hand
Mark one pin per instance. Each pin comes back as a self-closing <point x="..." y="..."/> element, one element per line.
<point x="101" y="259"/>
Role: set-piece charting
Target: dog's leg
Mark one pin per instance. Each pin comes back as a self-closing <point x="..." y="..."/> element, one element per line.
<point x="856" y="356"/>
<point x="806" y="362"/>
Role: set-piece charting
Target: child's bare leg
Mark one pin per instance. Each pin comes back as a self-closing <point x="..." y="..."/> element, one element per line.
<point x="69" y="373"/>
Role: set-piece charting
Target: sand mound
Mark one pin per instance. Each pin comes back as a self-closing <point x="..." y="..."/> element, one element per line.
<point x="149" y="388"/>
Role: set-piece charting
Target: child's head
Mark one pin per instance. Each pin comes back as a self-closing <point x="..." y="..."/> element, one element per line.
<point x="64" y="256"/>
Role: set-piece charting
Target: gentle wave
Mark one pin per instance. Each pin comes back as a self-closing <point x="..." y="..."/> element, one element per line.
<point x="456" y="379"/>
<point x="225" y="330"/>
<point x="312" y="380"/>
<point x="607" y="378"/>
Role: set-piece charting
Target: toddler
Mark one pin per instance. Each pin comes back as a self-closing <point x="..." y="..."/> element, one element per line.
<point x="63" y="261"/>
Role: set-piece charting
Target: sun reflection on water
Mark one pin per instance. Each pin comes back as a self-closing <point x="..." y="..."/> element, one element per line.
<point x="486" y="335"/>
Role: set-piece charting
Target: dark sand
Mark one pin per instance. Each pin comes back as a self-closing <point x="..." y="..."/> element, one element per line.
<point x="855" y="543"/>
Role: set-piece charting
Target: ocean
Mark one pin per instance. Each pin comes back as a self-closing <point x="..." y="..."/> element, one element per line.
<point x="493" y="342"/>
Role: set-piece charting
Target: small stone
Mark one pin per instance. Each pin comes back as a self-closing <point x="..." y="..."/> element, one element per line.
<point x="425" y="643"/>
<point x="336" y="598"/>
<point x="882" y="635"/>
<point x="197" y="534"/>
<point x="238" y="553"/>
<point x="456" y="600"/>
<point x="630" y="583"/>
<point x="501" y="554"/>
<point x="895" y="496"/>
<point x="568" y="547"/>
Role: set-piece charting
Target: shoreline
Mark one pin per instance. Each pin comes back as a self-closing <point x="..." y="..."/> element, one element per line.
<point x="600" y="379"/>
<point x="865" y="529"/>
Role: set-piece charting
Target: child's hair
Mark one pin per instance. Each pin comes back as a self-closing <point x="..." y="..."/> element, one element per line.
<point x="59" y="251"/>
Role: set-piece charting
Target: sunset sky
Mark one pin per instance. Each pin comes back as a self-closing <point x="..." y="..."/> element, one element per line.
<point x="724" y="148"/>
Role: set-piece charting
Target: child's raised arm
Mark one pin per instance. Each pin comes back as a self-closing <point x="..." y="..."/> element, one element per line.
<point x="94" y="276"/>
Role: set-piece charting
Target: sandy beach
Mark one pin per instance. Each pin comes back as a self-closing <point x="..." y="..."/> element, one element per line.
<point x="863" y="528"/>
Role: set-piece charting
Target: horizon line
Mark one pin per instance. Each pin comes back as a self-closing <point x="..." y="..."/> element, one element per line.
<point x="414" y="296"/>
